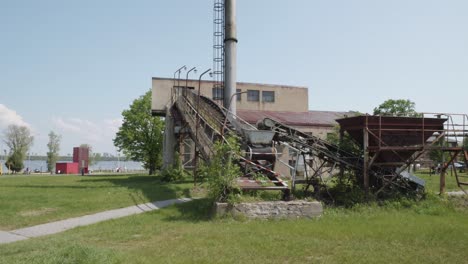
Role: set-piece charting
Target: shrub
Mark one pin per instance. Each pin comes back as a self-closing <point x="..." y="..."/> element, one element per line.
<point x="15" y="162"/>
<point x="222" y="171"/>
<point x="175" y="172"/>
<point x="345" y="191"/>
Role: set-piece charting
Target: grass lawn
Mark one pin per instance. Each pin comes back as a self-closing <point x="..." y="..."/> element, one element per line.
<point x="434" y="230"/>
<point x="31" y="200"/>
<point x="433" y="181"/>
<point x="431" y="231"/>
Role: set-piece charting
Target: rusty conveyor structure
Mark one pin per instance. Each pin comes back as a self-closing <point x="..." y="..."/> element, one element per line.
<point x="389" y="145"/>
<point x="326" y="154"/>
<point x="207" y="122"/>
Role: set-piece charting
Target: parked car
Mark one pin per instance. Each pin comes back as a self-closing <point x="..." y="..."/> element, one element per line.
<point x="458" y="166"/>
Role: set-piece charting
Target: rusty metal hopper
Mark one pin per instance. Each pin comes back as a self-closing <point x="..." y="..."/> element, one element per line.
<point x="259" y="137"/>
<point x="392" y="140"/>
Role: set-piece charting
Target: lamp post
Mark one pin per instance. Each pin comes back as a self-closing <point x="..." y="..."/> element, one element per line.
<point x="178" y="71"/>
<point x="194" y="69"/>
<point x="228" y="112"/>
<point x="195" y="174"/>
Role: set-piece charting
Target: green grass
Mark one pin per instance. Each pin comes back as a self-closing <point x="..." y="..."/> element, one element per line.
<point x="31" y="200"/>
<point x="431" y="231"/>
<point x="434" y="230"/>
<point x="433" y="181"/>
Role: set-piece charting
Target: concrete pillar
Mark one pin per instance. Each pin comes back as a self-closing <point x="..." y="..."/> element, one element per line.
<point x="168" y="141"/>
<point x="230" y="53"/>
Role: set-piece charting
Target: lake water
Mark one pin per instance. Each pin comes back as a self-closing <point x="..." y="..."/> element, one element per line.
<point x="99" y="166"/>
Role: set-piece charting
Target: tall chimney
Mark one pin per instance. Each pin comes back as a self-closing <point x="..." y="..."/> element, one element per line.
<point x="230" y="53"/>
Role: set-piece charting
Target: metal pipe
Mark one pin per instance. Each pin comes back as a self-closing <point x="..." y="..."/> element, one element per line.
<point x="178" y="71"/>
<point x="194" y="69"/>
<point x="197" y="124"/>
<point x="230" y="48"/>
<point x="227" y="113"/>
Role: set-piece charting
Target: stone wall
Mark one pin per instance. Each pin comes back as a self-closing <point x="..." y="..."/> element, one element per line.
<point x="272" y="210"/>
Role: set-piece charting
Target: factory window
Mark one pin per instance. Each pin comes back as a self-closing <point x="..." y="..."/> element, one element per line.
<point x="238" y="95"/>
<point x="268" y="96"/>
<point x="217" y="93"/>
<point x="253" y="95"/>
<point x="182" y="87"/>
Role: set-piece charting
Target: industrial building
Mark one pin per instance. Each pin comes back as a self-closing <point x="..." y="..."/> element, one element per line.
<point x="255" y="101"/>
<point x="276" y="128"/>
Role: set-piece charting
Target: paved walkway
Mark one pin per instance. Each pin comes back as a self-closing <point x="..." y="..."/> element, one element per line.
<point x="63" y="225"/>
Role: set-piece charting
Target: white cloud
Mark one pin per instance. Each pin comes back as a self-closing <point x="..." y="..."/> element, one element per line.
<point x="113" y="124"/>
<point x="10" y="117"/>
<point x="65" y="125"/>
<point x="86" y="131"/>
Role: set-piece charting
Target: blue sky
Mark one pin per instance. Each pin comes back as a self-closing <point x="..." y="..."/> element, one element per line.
<point x="73" y="66"/>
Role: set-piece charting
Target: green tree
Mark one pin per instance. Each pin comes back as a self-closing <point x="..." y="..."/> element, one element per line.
<point x="19" y="140"/>
<point x="140" y="136"/>
<point x="54" y="147"/>
<point x="93" y="158"/>
<point x="347" y="143"/>
<point x="399" y="107"/>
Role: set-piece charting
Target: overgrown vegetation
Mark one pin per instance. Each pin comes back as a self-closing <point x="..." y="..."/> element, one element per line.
<point x="346" y="143"/>
<point x="175" y="172"/>
<point x="222" y="171"/>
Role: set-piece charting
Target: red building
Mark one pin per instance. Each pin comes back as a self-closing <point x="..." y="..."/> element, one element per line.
<point x="81" y="156"/>
<point x="80" y="162"/>
<point x="66" y="168"/>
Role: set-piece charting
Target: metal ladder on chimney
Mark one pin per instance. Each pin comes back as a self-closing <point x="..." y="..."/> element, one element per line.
<point x="218" y="51"/>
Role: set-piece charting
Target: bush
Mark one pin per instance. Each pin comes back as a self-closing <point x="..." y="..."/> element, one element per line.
<point x="174" y="173"/>
<point x="346" y="193"/>
<point x="222" y="171"/>
<point x="15" y="162"/>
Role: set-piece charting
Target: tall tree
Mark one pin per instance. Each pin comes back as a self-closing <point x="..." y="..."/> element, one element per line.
<point x="54" y="147"/>
<point x="19" y="140"/>
<point x="399" y="107"/>
<point x="140" y="136"/>
<point x="93" y="158"/>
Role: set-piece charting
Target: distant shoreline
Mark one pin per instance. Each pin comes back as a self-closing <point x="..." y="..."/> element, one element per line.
<point x="70" y="158"/>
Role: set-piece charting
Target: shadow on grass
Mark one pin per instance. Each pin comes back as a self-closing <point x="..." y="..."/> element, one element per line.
<point x="32" y="186"/>
<point x="153" y="189"/>
<point x="198" y="210"/>
<point x="147" y="188"/>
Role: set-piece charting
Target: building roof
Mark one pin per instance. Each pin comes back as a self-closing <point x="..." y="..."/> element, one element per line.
<point x="310" y="118"/>
<point x="239" y="83"/>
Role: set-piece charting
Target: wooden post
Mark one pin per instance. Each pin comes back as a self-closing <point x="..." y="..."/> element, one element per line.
<point x="442" y="181"/>
<point x="366" y="160"/>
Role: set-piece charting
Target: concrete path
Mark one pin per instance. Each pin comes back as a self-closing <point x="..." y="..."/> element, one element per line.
<point x="456" y="193"/>
<point x="63" y="225"/>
